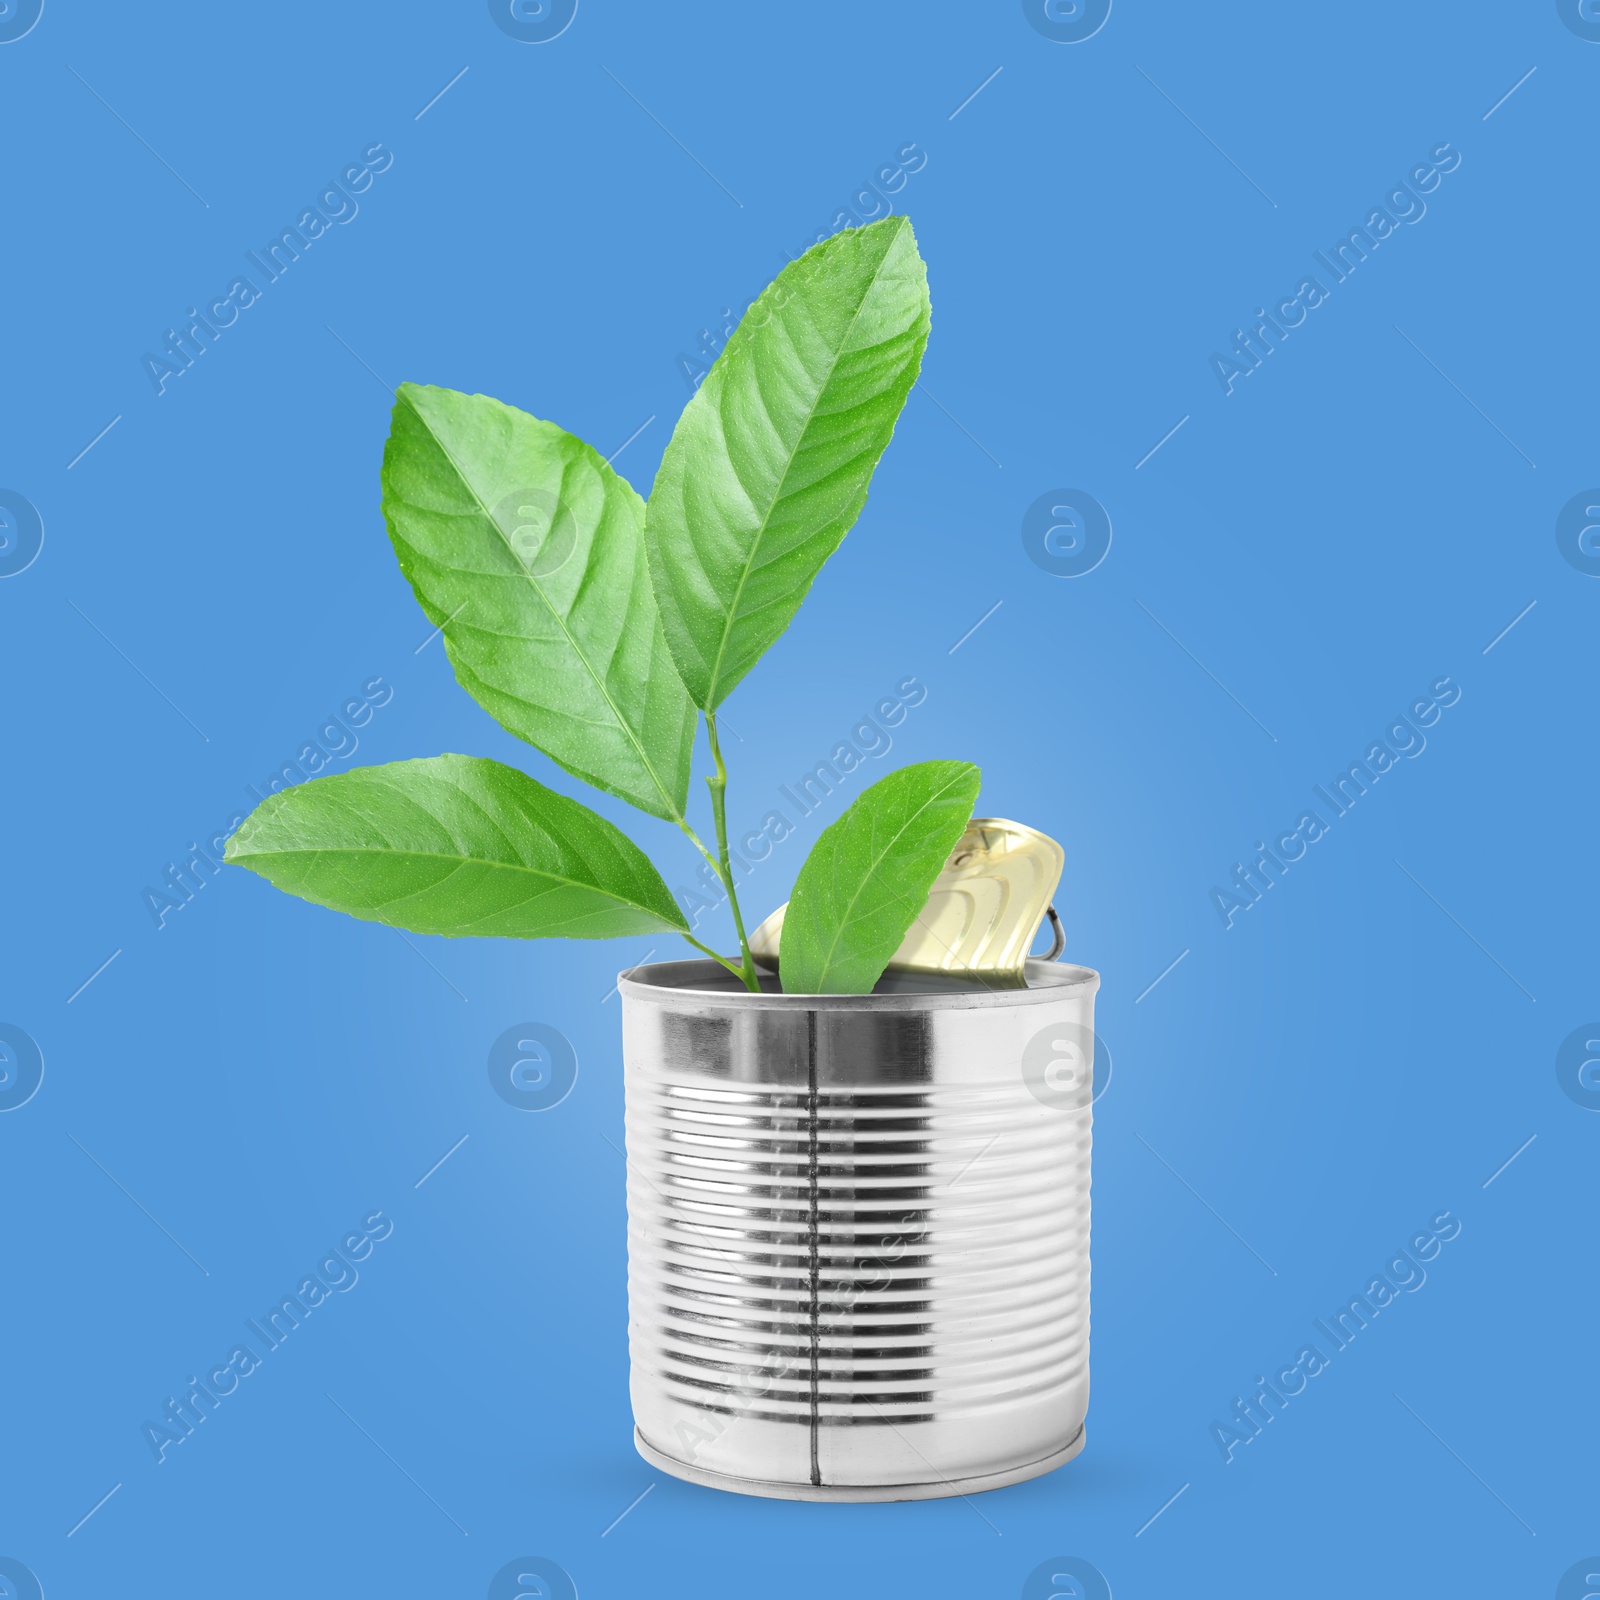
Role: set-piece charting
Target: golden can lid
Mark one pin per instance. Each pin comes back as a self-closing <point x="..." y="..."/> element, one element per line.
<point x="983" y="911"/>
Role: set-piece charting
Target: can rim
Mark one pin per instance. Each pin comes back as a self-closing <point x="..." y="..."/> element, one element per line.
<point x="663" y="982"/>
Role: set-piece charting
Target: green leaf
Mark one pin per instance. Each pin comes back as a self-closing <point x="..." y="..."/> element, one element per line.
<point x="455" y="845"/>
<point x="769" y="464"/>
<point x="868" y="876"/>
<point x="528" y="550"/>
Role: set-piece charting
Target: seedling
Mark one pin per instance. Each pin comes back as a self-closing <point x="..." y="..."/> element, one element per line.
<point x="601" y="628"/>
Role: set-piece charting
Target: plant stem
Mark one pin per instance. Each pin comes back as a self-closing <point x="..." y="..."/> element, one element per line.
<point x="699" y="844"/>
<point x="725" y="879"/>
<point x="706" y="950"/>
<point x="718" y="784"/>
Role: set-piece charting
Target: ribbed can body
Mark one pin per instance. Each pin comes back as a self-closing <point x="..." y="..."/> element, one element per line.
<point x="858" y="1232"/>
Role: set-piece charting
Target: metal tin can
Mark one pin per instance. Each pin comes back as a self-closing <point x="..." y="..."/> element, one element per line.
<point x="858" y="1231"/>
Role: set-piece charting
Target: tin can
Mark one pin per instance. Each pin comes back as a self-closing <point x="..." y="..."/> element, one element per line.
<point x="858" y="1231"/>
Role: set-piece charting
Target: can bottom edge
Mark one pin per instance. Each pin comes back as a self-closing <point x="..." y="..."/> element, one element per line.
<point x="772" y="1490"/>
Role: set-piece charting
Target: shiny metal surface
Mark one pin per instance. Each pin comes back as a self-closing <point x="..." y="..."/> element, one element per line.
<point x="983" y="910"/>
<point x="858" y="1231"/>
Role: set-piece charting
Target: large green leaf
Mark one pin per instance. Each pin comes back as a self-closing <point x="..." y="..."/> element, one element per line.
<point x="528" y="550"/>
<point x="868" y="876"/>
<point x="769" y="464"/>
<point x="455" y="845"/>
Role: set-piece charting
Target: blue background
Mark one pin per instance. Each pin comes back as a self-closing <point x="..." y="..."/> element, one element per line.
<point x="1364" y="1048"/>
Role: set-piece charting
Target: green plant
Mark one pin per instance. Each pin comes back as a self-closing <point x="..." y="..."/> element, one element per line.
<point x="600" y="628"/>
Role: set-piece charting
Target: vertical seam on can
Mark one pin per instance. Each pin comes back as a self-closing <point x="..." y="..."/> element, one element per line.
<point x="812" y="1268"/>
